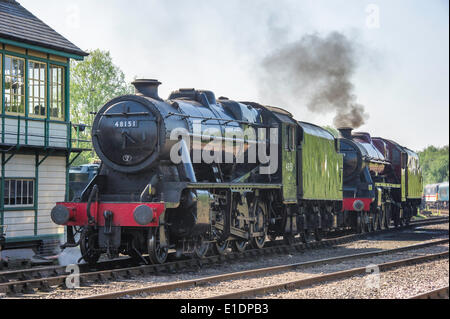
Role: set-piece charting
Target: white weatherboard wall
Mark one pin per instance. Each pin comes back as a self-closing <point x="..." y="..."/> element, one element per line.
<point x="51" y="189"/>
<point x="36" y="133"/>
<point x="20" y="223"/>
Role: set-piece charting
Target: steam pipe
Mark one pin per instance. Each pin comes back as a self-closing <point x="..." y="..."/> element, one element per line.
<point x="94" y="191"/>
<point x="187" y="168"/>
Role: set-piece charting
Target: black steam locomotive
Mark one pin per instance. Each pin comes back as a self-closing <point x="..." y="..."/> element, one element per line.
<point x="194" y="173"/>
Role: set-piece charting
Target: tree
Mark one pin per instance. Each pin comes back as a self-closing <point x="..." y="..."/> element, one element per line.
<point x="94" y="81"/>
<point x="435" y="164"/>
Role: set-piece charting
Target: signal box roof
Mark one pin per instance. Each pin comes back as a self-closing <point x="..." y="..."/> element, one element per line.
<point x="18" y="24"/>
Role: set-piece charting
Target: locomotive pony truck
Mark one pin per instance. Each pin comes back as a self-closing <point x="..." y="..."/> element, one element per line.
<point x="198" y="174"/>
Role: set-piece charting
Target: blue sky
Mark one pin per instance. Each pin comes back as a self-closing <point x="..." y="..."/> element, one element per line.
<point x="403" y="60"/>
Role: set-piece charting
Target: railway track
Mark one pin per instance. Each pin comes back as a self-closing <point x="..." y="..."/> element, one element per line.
<point x="45" y="278"/>
<point x="271" y="270"/>
<point x="436" y="211"/>
<point x="441" y="293"/>
<point x="296" y="284"/>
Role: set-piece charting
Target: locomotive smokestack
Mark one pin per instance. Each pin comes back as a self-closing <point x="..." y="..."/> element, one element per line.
<point x="346" y="132"/>
<point x="147" y="88"/>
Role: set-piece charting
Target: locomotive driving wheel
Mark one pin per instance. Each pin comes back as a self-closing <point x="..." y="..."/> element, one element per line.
<point x="382" y="219"/>
<point x="396" y="215"/>
<point x="379" y="219"/>
<point x="289" y="239"/>
<point x="239" y="245"/>
<point x="319" y="234"/>
<point x="360" y="223"/>
<point x="305" y="236"/>
<point x="372" y="222"/>
<point x="156" y="253"/>
<point x="367" y="222"/>
<point x="407" y="214"/>
<point x="201" y="248"/>
<point x="220" y="248"/>
<point x="88" y="245"/>
<point x="387" y="217"/>
<point x="260" y="227"/>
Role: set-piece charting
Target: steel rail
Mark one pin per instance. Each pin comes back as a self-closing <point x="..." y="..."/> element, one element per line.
<point x="441" y="293"/>
<point x="296" y="284"/>
<point x="260" y="271"/>
<point x="47" y="271"/>
<point x="26" y="281"/>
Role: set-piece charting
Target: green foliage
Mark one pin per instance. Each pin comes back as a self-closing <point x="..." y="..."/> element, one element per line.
<point x="94" y="81"/>
<point x="435" y="164"/>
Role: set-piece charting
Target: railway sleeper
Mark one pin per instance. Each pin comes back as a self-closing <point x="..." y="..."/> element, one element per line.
<point x="44" y="286"/>
<point x="14" y="289"/>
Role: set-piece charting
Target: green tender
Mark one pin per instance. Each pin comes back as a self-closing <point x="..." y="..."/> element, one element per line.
<point x="415" y="184"/>
<point x="321" y="171"/>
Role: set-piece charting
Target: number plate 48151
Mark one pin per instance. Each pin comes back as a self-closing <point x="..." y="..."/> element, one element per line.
<point x="125" y="124"/>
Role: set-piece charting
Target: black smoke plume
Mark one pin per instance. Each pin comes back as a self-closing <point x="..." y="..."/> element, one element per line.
<point x="316" y="70"/>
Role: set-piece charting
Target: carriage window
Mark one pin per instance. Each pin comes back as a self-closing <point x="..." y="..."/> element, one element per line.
<point x="19" y="192"/>
<point x="14" y="85"/>
<point x="37" y="73"/>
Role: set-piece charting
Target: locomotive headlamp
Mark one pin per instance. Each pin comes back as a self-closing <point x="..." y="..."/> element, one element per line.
<point x="143" y="215"/>
<point x="60" y="215"/>
<point x="358" y="205"/>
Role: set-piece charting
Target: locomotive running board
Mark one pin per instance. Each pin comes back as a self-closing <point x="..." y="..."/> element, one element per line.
<point x="235" y="186"/>
<point x="388" y="185"/>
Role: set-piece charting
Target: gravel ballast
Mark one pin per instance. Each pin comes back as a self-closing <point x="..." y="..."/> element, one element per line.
<point x="375" y="242"/>
<point x="302" y="273"/>
<point x="400" y="283"/>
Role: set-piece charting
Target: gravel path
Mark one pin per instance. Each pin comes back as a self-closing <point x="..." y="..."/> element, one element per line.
<point x="400" y="283"/>
<point x="387" y="241"/>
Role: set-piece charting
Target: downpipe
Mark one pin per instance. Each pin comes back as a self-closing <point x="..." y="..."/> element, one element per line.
<point x="94" y="192"/>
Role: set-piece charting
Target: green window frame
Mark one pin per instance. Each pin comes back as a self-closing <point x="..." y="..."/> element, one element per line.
<point x="1" y="81"/>
<point x="37" y="89"/>
<point x="57" y="94"/>
<point x="14" y="70"/>
<point x="19" y="192"/>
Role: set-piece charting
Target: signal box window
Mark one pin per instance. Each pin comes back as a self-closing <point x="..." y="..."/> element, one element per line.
<point x="37" y="74"/>
<point x="19" y="192"/>
<point x="57" y="92"/>
<point x="14" y="85"/>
